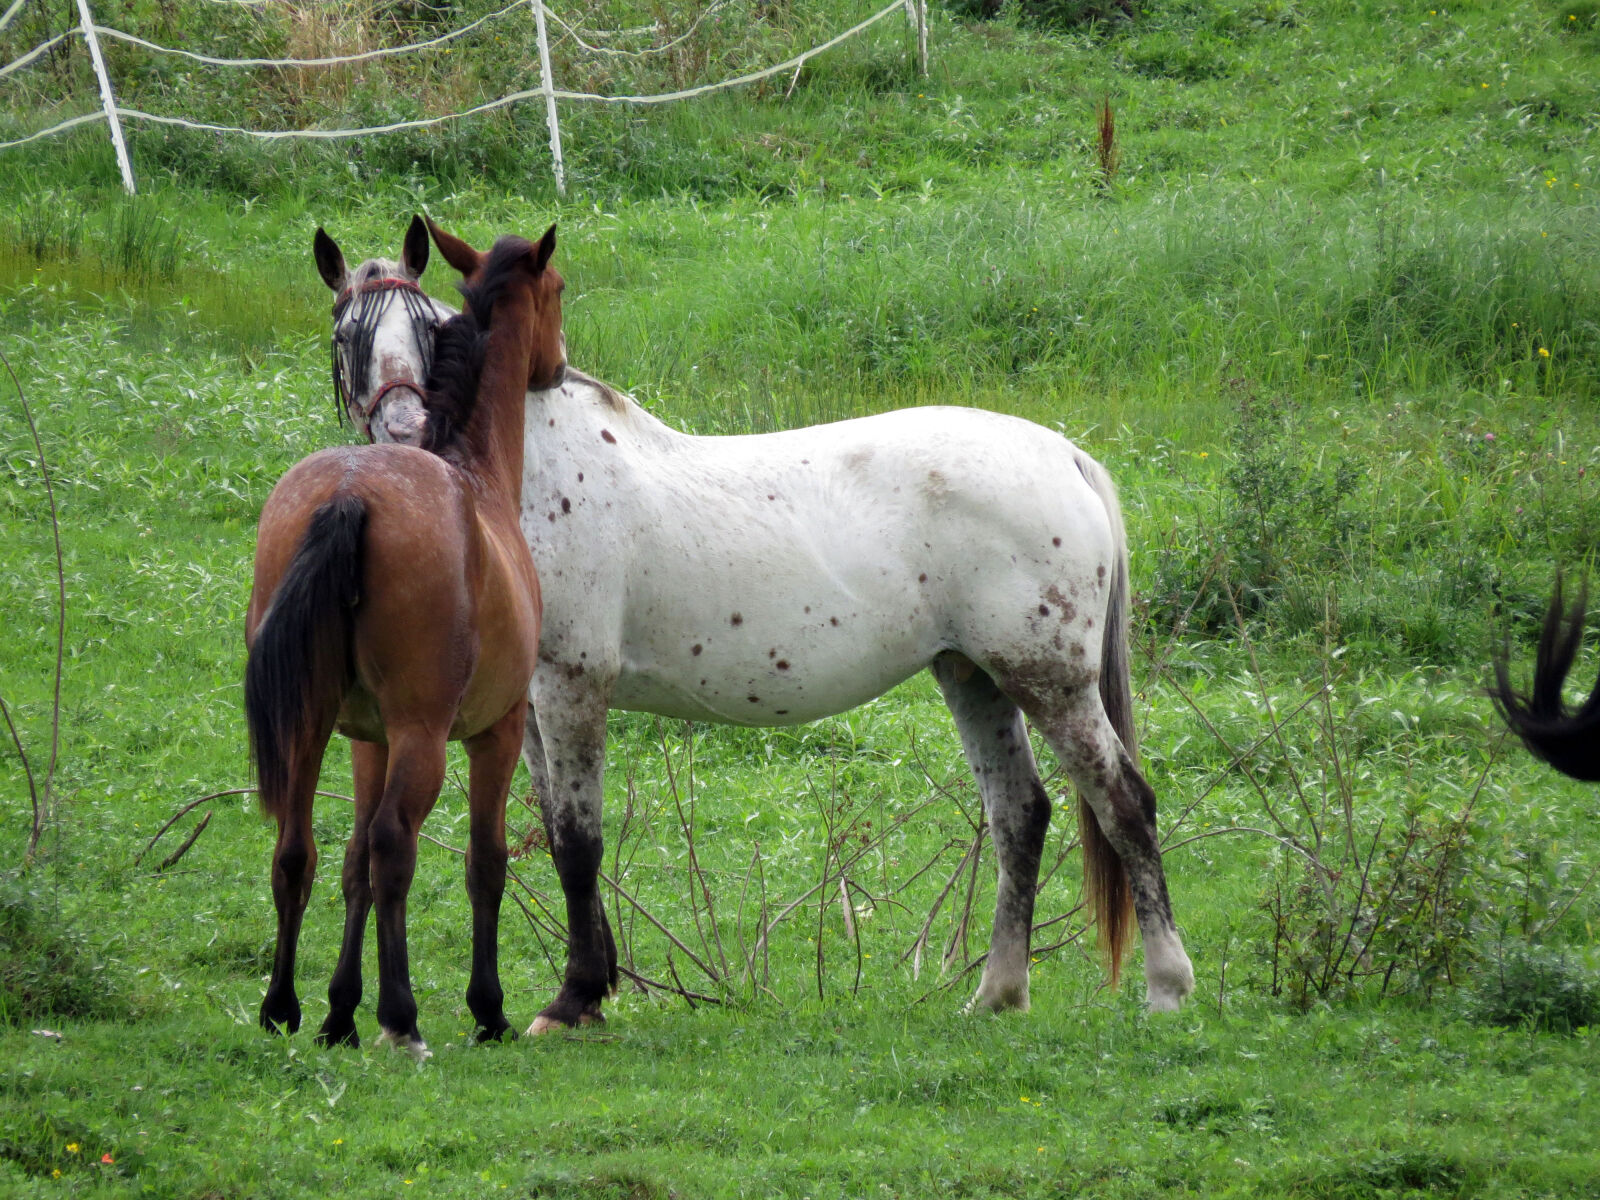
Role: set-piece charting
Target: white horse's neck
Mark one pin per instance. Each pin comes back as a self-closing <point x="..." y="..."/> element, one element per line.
<point x="584" y="403"/>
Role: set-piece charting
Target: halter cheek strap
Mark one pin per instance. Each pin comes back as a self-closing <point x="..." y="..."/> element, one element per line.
<point x="340" y="303"/>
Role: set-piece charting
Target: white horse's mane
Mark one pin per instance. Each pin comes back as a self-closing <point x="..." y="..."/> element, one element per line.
<point x="609" y="395"/>
<point x="375" y="268"/>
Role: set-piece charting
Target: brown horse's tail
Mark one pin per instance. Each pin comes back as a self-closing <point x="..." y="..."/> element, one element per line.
<point x="1567" y="739"/>
<point x="301" y="664"/>
<point x="1105" y="880"/>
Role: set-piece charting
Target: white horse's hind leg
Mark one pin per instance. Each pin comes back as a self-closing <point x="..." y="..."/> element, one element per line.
<point x="995" y="741"/>
<point x="1125" y="807"/>
<point x="538" y="772"/>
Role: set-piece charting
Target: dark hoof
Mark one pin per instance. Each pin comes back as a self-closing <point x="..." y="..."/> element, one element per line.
<point x="500" y="1031"/>
<point x="280" y="1018"/>
<point x="335" y="1032"/>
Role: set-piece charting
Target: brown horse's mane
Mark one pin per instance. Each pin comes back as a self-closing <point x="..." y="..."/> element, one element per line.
<point x="458" y="353"/>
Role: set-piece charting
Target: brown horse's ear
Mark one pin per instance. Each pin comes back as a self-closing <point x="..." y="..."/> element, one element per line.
<point x="456" y="252"/>
<point x="545" y="248"/>
<point x="330" y="261"/>
<point x="414" y="254"/>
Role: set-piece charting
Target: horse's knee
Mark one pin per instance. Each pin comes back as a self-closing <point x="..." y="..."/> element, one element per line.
<point x="293" y="867"/>
<point x="578" y="850"/>
<point x="391" y="853"/>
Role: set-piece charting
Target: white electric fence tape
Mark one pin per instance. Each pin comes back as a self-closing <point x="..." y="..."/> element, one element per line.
<point x="916" y="10"/>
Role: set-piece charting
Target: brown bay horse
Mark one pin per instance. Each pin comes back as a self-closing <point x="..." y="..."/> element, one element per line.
<point x="395" y="601"/>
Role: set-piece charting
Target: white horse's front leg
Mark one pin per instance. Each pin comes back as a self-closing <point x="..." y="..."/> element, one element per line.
<point x="570" y="710"/>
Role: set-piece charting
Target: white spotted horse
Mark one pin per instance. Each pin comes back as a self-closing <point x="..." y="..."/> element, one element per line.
<point x="779" y="578"/>
<point x="396" y="602"/>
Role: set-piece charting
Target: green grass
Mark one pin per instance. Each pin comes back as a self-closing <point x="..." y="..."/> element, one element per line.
<point x="1302" y="327"/>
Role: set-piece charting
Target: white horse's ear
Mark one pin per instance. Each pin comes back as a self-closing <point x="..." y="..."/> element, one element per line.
<point x="545" y="248"/>
<point x="414" y="254"/>
<point x="330" y="260"/>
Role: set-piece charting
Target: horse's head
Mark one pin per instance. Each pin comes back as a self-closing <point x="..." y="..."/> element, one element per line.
<point x="382" y="349"/>
<point x="547" y="365"/>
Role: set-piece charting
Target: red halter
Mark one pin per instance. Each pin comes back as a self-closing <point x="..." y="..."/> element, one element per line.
<point x="390" y="284"/>
<point x="340" y="303"/>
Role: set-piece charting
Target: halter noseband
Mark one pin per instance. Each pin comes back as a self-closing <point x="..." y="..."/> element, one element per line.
<point x="377" y="398"/>
<point x="414" y="297"/>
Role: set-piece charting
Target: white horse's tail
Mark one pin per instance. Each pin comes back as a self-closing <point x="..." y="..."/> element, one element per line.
<point x="1116" y="683"/>
<point x="1105" y="880"/>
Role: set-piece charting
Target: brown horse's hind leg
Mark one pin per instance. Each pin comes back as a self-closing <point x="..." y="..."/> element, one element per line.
<point x="1074" y="722"/>
<point x="369" y="762"/>
<point x="995" y="742"/>
<point x="416" y="772"/>
<point x="294" y="865"/>
<point x="493" y="756"/>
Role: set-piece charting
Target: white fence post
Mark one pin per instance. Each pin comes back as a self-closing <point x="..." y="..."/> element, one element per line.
<point x="106" y="98"/>
<point x="548" y="87"/>
<point x="922" y="37"/>
<point x="917" y="17"/>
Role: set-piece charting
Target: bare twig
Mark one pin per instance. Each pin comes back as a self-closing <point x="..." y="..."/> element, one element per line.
<point x="40" y="796"/>
<point x="189" y="841"/>
<point x="919" y="943"/>
<point x="959" y="934"/>
<point x="188" y="808"/>
<point x="644" y="912"/>
<point x="183" y="812"/>
<point x="647" y="985"/>
<point x="1266" y="700"/>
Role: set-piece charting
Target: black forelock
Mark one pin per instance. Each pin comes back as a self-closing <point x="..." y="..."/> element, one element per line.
<point x="499" y="265"/>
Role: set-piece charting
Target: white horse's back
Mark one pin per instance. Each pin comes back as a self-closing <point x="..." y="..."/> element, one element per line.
<point x="778" y="578"/>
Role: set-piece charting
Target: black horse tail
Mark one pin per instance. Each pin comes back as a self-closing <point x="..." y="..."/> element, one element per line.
<point x="1105" y="878"/>
<point x="1567" y="739"/>
<point x="302" y="662"/>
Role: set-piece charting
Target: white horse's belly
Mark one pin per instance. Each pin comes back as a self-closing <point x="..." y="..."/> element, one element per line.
<point x="769" y="669"/>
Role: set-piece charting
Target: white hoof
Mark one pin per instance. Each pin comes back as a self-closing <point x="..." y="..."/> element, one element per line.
<point x="999" y="998"/>
<point x="1169" y="978"/>
<point x="543" y="1024"/>
<point x="415" y="1047"/>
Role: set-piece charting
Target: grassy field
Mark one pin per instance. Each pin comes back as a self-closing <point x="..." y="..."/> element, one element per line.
<point x="1333" y="324"/>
